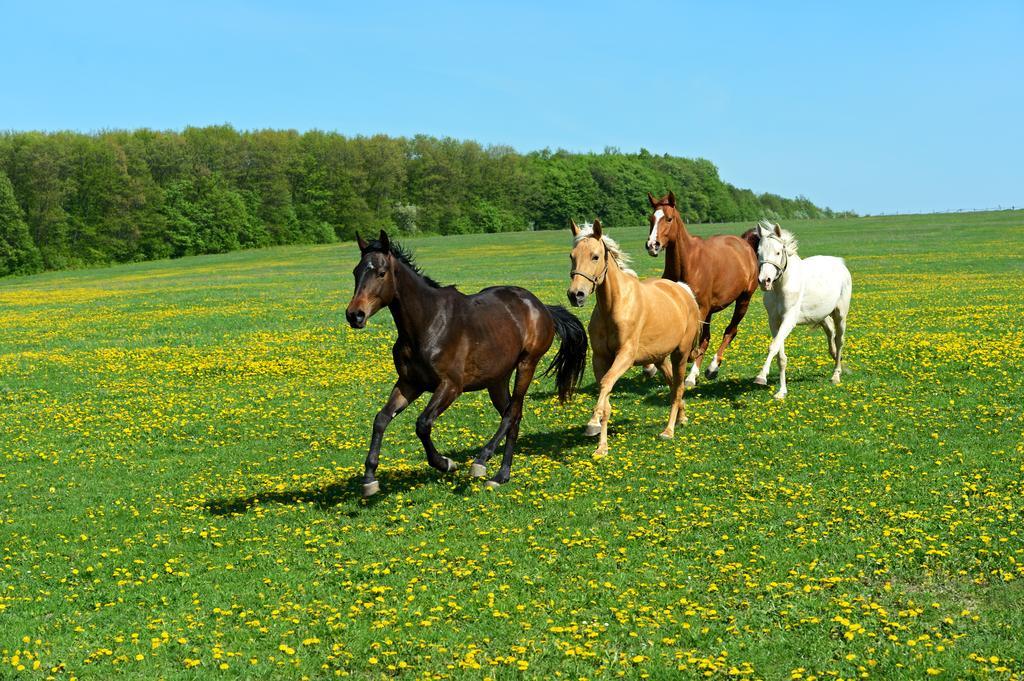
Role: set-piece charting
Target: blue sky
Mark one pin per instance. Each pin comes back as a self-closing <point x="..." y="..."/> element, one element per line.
<point x="894" y="106"/>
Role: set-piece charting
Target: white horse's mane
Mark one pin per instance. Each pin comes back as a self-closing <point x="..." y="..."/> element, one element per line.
<point x="788" y="239"/>
<point x="621" y="257"/>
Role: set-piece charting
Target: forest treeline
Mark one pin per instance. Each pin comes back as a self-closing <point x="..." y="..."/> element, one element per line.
<point x="70" y="199"/>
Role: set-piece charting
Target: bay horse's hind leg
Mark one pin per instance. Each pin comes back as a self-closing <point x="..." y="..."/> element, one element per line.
<point x="509" y="428"/>
<point x="439" y="401"/>
<point x="501" y="399"/>
<point x="739" y="311"/>
<point x="401" y="395"/>
<point x="698" y="354"/>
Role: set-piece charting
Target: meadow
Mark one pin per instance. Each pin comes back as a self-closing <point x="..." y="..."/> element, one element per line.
<point x="181" y="444"/>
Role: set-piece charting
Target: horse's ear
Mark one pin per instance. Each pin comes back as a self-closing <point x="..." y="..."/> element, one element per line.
<point x="778" y="230"/>
<point x="672" y="199"/>
<point x="574" y="227"/>
<point x="385" y="242"/>
<point x="597" y="227"/>
<point x="363" y="245"/>
<point x="654" y="202"/>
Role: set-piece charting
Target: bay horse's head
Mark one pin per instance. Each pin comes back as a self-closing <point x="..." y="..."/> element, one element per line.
<point x="375" y="280"/>
<point x="664" y="221"/>
<point x="589" y="262"/>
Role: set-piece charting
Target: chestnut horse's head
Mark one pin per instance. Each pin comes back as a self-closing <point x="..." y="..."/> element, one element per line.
<point x="375" y="280"/>
<point x="665" y="220"/>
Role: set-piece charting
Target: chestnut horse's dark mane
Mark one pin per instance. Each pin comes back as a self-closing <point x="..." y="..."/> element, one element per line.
<point x="403" y="254"/>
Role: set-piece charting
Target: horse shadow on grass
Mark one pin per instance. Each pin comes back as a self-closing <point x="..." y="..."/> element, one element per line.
<point x="555" y="445"/>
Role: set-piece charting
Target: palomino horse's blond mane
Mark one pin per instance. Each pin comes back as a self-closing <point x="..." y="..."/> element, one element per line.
<point x="620" y="257"/>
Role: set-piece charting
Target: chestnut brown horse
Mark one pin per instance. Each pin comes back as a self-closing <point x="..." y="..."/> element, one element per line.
<point x="721" y="270"/>
<point x="449" y="343"/>
<point x="634" y="322"/>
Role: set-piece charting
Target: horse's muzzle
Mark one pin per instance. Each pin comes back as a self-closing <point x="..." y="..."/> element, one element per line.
<point x="356" y="319"/>
<point x="653" y="249"/>
<point x="576" y="298"/>
<point x="766" y="284"/>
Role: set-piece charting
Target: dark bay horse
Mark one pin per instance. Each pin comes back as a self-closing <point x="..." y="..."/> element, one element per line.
<point x="721" y="270"/>
<point x="449" y="343"/>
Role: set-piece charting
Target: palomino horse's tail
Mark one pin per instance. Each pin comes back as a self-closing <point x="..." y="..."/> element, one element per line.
<point x="571" y="359"/>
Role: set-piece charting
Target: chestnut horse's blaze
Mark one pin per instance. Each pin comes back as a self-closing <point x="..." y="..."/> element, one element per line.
<point x="721" y="270"/>
<point x="449" y="343"/>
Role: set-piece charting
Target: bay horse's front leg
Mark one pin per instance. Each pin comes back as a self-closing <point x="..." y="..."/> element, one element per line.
<point x="698" y="354"/>
<point x="401" y="395"/>
<point x="510" y="424"/>
<point x="442" y="398"/>
<point x="738" y="312"/>
<point x="622" y="362"/>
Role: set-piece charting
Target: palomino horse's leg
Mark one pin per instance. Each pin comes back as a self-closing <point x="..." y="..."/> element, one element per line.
<point x="524" y="374"/>
<point x="600" y="363"/>
<point x="738" y="312"/>
<point x="620" y="364"/>
<point x="839" y="316"/>
<point x="401" y="395"/>
<point x="439" y="401"/>
<point x="500" y="398"/>
<point x="678" y="410"/>
<point x="698" y="354"/>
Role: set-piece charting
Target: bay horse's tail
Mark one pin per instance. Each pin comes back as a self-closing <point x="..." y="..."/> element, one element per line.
<point x="571" y="360"/>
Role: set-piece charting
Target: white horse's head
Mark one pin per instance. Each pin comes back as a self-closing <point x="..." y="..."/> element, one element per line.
<point x="774" y="248"/>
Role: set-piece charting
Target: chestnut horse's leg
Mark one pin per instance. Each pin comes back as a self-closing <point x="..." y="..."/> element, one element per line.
<point x="500" y="398"/>
<point x="442" y="398"/>
<point x="524" y="374"/>
<point x="698" y="354"/>
<point x="738" y="312"/>
<point x="401" y="395"/>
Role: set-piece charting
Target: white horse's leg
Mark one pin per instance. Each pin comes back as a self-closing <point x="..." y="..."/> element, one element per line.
<point x="781" y="394"/>
<point x="840" y="320"/>
<point x="830" y="335"/>
<point x="784" y="329"/>
<point x="773" y="326"/>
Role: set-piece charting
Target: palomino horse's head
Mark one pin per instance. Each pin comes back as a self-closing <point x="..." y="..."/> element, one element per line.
<point x="589" y="263"/>
<point x="664" y="221"/>
<point x="772" y="254"/>
<point x="375" y="280"/>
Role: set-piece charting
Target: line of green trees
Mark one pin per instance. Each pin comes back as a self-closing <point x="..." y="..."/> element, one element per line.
<point x="70" y="199"/>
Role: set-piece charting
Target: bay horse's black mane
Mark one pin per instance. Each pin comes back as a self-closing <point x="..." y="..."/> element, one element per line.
<point x="403" y="254"/>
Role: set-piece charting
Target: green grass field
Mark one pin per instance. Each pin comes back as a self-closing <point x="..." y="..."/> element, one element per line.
<point x="181" y="445"/>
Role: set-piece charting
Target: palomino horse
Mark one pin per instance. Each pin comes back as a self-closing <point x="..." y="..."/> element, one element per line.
<point x="721" y="270"/>
<point x="449" y="343"/>
<point x="815" y="292"/>
<point x="635" y="322"/>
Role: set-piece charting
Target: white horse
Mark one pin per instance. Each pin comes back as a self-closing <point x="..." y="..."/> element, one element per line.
<point x="815" y="292"/>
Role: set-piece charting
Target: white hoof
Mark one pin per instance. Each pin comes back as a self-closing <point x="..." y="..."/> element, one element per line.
<point x="690" y="382"/>
<point x="836" y="379"/>
<point x="591" y="430"/>
<point x="478" y="471"/>
<point x="665" y="436"/>
<point x="780" y="395"/>
<point x="761" y="380"/>
<point x="370" y="488"/>
<point x="650" y="371"/>
<point x="452" y="466"/>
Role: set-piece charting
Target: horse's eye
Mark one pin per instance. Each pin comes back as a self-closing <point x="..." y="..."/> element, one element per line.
<point x="381" y="273"/>
<point x="595" y="258"/>
<point x="668" y="219"/>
